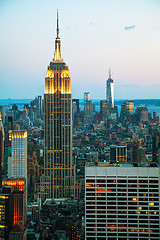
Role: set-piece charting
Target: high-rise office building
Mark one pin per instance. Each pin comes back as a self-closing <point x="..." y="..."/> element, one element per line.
<point x="6" y="213"/>
<point x="17" y="163"/>
<point x="118" y="154"/>
<point x="75" y="107"/>
<point x="2" y="111"/>
<point x="127" y="107"/>
<point x="127" y="111"/>
<point x="8" y="147"/>
<point x="121" y="202"/>
<point x="87" y="104"/>
<point x="17" y="174"/>
<point x="9" y="123"/>
<point x="40" y="102"/>
<point x="36" y="212"/>
<point x="110" y="91"/>
<point x="1" y="148"/>
<point x="76" y="101"/>
<point x="156" y="147"/>
<point x="19" y="196"/>
<point x="57" y="180"/>
<point x="142" y="114"/>
<point x="103" y="108"/>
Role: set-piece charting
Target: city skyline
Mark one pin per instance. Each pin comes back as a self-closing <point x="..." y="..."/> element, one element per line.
<point x="72" y="168"/>
<point x="119" y="34"/>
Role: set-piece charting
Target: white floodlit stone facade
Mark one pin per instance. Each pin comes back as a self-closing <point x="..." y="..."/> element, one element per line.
<point x="122" y="202"/>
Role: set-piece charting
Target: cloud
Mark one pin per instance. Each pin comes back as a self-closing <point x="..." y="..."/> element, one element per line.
<point x="130" y="27"/>
<point x="92" y="24"/>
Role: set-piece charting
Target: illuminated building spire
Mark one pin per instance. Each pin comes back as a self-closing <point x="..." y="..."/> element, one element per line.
<point x="57" y="54"/>
<point x="57" y="25"/>
<point x="110" y="75"/>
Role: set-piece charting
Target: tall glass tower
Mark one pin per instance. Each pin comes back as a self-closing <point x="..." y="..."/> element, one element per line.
<point x="57" y="180"/>
<point x="110" y="92"/>
<point x="87" y="104"/>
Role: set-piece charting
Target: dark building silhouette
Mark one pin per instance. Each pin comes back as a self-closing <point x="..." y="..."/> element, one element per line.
<point x="156" y="147"/>
<point x="1" y="148"/>
<point x="6" y="212"/>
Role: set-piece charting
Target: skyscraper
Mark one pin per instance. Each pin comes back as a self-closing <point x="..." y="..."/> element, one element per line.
<point x="17" y="163"/>
<point x="87" y="104"/>
<point x="127" y="107"/>
<point x="1" y="147"/>
<point x="8" y="148"/>
<point x="17" y="174"/>
<point x="156" y="147"/>
<point x="110" y="92"/>
<point x="103" y="108"/>
<point x="2" y="111"/>
<point x="57" y="179"/>
<point x="142" y="114"/>
<point x="19" y="197"/>
<point x="6" y="212"/>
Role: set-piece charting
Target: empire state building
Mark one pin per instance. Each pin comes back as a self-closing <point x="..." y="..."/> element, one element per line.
<point x="57" y="179"/>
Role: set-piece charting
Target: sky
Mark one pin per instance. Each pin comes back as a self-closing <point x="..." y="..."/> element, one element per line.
<point x="95" y="35"/>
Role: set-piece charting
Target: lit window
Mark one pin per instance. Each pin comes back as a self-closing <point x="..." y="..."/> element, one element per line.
<point x="134" y="199"/>
<point x="151" y="204"/>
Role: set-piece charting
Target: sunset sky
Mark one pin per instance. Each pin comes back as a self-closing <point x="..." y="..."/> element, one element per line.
<point x="95" y="35"/>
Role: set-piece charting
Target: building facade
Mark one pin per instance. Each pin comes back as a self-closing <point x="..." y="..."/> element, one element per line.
<point x="156" y="147"/>
<point x="1" y="148"/>
<point x="142" y="114"/>
<point x="57" y="180"/>
<point x="127" y="107"/>
<point x="19" y="197"/>
<point x="6" y="213"/>
<point x="104" y="108"/>
<point x="121" y="202"/>
<point x="2" y="111"/>
<point x="17" y="162"/>
<point x="118" y="154"/>
<point x="18" y="232"/>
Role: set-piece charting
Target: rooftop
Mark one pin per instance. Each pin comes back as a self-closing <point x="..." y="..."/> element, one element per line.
<point x="107" y="164"/>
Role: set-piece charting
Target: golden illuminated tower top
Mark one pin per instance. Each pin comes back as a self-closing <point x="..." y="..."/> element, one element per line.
<point x="58" y="79"/>
<point x="57" y="54"/>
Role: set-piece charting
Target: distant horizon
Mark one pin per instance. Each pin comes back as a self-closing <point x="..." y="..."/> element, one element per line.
<point x="116" y="99"/>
